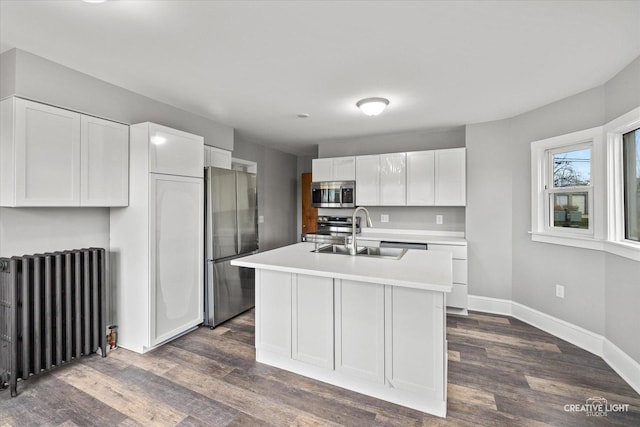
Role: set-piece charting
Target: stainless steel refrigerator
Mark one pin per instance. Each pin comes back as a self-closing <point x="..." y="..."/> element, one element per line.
<point x="231" y="224"/>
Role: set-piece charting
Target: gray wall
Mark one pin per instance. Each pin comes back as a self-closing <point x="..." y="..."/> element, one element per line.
<point x="489" y="202"/>
<point x="277" y="190"/>
<point x="410" y="217"/>
<point x="601" y="290"/>
<point x="45" y="81"/>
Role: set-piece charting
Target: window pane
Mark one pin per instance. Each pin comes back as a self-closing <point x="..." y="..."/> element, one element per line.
<point x="571" y="210"/>
<point x="631" y="160"/>
<point x="572" y="168"/>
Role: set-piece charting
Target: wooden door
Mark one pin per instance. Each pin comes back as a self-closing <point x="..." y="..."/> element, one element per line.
<point x="309" y="213"/>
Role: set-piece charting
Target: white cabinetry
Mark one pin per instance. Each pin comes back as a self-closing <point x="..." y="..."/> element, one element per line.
<point x="368" y="180"/>
<point x="457" y="298"/>
<point x="382" y="340"/>
<point x="393" y="179"/>
<point x="312" y="322"/>
<point x="104" y="164"/>
<point x="359" y="327"/>
<point x="436" y="177"/>
<point x="381" y="180"/>
<point x="157" y="261"/>
<point x="414" y="355"/>
<point x="420" y="178"/>
<point x="450" y="177"/>
<point x="333" y="169"/>
<point x="217" y="157"/>
<point x="55" y="157"/>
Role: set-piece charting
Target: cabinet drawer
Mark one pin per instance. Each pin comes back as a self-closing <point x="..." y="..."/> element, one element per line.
<point x="458" y="296"/>
<point x="457" y="252"/>
<point x="460" y="271"/>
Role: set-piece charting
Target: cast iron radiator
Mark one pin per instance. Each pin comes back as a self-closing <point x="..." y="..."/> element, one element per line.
<point x="52" y="310"/>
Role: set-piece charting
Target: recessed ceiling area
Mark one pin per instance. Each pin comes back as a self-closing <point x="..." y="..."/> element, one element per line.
<point x="256" y="65"/>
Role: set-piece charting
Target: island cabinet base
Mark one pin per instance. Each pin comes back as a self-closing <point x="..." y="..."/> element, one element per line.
<point x="381" y="340"/>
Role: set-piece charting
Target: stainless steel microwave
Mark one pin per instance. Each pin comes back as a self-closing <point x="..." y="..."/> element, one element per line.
<point x="333" y="194"/>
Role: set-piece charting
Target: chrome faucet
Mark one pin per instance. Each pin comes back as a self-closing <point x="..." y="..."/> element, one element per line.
<point x="353" y="249"/>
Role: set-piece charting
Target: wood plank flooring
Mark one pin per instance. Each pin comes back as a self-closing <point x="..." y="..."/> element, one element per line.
<point x="502" y="372"/>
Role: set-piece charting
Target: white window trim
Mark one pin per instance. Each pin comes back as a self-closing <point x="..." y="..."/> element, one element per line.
<point x="541" y="230"/>
<point x="613" y="131"/>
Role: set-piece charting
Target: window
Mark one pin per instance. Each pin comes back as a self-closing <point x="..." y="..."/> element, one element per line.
<point x="631" y="174"/>
<point x="567" y="189"/>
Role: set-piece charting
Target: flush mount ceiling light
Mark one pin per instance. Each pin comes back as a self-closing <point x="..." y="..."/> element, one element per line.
<point x="94" y="1"/>
<point x="372" y="106"/>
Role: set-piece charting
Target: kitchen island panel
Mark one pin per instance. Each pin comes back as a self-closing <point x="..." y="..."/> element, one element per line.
<point x="360" y="329"/>
<point x="312" y="320"/>
<point x="273" y="311"/>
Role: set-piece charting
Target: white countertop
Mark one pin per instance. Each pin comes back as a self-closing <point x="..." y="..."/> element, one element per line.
<point x="427" y="270"/>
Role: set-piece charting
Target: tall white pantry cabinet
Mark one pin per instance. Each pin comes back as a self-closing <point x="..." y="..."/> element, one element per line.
<point x="156" y="248"/>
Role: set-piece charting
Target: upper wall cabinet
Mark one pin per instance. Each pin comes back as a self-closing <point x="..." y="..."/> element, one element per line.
<point x="381" y="180"/>
<point x="421" y="178"/>
<point x="393" y="179"/>
<point x="368" y="180"/>
<point x="333" y="169"/>
<point x="217" y="157"/>
<point x="436" y="177"/>
<point x="174" y="152"/>
<point x="450" y="177"/>
<point x="55" y="157"/>
<point x="104" y="163"/>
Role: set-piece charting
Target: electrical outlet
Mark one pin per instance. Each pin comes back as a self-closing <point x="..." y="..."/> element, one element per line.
<point x="260" y="219"/>
<point x="439" y="219"/>
<point x="384" y="218"/>
<point x="560" y="291"/>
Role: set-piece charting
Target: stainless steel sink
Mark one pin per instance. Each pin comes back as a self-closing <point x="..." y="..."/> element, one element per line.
<point x="386" y="253"/>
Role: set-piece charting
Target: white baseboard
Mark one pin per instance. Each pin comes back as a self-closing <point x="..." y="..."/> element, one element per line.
<point x="624" y="365"/>
<point x="619" y="361"/>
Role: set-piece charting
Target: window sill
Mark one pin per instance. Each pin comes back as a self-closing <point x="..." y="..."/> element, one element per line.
<point x="574" y="241"/>
<point x="624" y="249"/>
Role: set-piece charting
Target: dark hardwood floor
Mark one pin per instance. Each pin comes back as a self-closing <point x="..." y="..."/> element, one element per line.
<point x="502" y="372"/>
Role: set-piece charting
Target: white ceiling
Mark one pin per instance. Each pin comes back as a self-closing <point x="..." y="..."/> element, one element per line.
<point x="255" y="65"/>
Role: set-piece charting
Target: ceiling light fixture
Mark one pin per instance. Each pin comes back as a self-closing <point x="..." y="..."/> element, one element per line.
<point x="372" y="106"/>
<point x="94" y="1"/>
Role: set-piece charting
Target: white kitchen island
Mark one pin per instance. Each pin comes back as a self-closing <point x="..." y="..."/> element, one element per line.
<point x="373" y="325"/>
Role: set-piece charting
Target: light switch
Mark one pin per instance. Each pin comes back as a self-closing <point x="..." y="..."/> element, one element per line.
<point x="260" y="219"/>
<point x="439" y="219"/>
<point x="384" y="218"/>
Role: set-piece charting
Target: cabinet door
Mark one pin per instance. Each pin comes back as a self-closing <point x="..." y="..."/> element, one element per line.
<point x="393" y="179"/>
<point x="451" y="177"/>
<point x="368" y="180"/>
<point x="219" y="158"/>
<point x="312" y="320"/>
<point x="344" y="169"/>
<point x="176" y="230"/>
<point x="414" y="346"/>
<point x="359" y="311"/>
<point x="273" y="312"/>
<point x="322" y="170"/>
<point x="174" y="152"/>
<point x="47" y="155"/>
<point x="104" y="163"/>
<point x="420" y="178"/>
